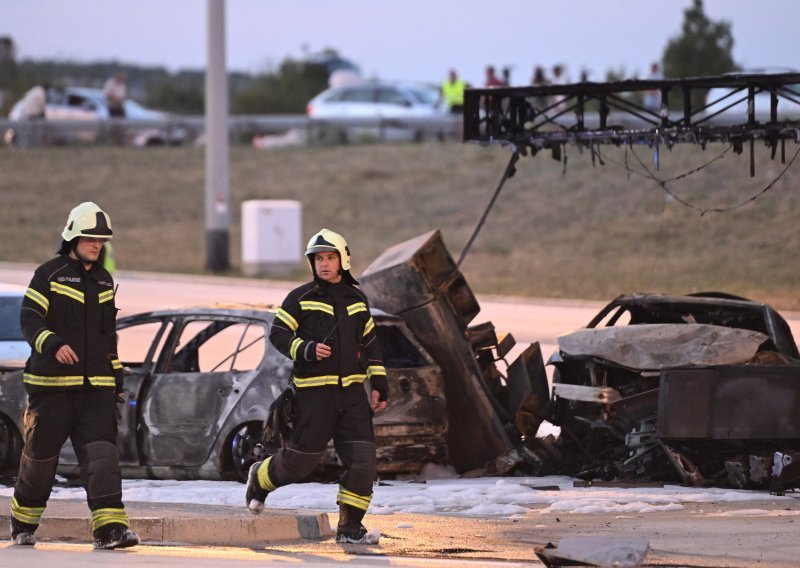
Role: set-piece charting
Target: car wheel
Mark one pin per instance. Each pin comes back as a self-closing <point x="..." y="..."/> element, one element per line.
<point x="10" y="445"/>
<point x="245" y="449"/>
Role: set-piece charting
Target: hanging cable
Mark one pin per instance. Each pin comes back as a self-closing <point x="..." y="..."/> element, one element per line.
<point x="629" y="170"/>
<point x="703" y="211"/>
<point x="510" y="171"/>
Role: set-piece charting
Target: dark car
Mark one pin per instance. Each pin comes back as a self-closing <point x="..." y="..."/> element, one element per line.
<point x="616" y="415"/>
<point x="199" y="381"/>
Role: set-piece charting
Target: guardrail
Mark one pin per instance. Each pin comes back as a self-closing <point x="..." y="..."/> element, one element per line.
<point x="178" y="130"/>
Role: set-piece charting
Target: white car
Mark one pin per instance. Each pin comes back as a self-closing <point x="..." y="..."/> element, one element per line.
<point x="386" y="101"/>
<point x="719" y="98"/>
<point x="14" y="350"/>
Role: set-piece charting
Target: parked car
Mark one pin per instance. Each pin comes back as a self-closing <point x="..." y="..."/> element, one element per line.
<point x="362" y="104"/>
<point x="198" y="383"/>
<point x="730" y="105"/>
<point x="14" y="350"/>
<point x="88" y="104"/>
<point x="609" y="398"/>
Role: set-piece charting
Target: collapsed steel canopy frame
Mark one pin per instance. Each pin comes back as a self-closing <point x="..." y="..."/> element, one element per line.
<point x="588" y="114"/>
<point x="547" y="117"/>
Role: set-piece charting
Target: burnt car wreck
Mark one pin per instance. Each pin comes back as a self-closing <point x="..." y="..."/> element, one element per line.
<point x="701" y="389"/>
<point x="698" y="389"/>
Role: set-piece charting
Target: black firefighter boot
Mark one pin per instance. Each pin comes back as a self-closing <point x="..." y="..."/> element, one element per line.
<point x="254" y="494"/>
<point x="114" y="535"/>
<point x="350" y="529"/>
<point x="23" y="533"/>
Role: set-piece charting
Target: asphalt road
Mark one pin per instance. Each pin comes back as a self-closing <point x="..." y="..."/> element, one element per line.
<point x="65" y="555"/>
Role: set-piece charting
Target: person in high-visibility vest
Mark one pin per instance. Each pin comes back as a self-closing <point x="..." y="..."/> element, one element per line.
<point x="109" y="261"/>
<point x="453" y="92"/>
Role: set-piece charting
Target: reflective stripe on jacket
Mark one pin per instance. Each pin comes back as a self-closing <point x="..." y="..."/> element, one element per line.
<point x="68" y="305"/>
<point x="337" y="315"/>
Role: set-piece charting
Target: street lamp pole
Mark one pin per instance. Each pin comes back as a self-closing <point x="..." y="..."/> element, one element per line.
<point x="217" y="198"/>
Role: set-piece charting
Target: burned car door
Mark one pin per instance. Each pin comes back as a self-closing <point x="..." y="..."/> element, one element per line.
<point x="207" y="364"/>
<point x="140" y="347"/>
<point x="140" y="341"/>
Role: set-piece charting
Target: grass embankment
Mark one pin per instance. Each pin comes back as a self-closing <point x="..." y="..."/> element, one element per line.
<point x="591" y="232"/>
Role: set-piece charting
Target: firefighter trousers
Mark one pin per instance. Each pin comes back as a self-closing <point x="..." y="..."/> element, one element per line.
<point x="320" y="414"/>
<point x="87" y="417"/>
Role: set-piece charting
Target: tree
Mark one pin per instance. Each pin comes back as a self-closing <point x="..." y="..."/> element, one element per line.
<point x="703" y="48"/>
<point x="287" y="91"/>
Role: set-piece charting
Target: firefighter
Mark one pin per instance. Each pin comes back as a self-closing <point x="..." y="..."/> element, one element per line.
<point x="73" y="378"/>
<point x="326" y="328"/>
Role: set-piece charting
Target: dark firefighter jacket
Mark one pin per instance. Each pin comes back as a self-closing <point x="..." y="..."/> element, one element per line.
<point x="337" y="315"/>
<point x="66" y="304"/>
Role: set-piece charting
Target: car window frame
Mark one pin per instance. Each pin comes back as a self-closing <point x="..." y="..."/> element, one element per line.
<point x="171" y="344"/>
<point x="151" y="362"/>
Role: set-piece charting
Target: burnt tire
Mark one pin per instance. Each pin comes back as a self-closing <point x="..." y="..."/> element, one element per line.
<point x="244" y="449"/>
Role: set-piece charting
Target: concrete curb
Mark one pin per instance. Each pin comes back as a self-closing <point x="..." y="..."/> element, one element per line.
<point x="175" y="523"/>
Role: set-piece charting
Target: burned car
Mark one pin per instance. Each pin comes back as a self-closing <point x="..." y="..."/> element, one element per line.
<point x="198" y="383"/>
<point x="698" y="388"/>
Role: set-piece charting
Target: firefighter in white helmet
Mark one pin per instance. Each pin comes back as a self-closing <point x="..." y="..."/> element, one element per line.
<point x="73" y="378"/>
<point x="325" y="327"/>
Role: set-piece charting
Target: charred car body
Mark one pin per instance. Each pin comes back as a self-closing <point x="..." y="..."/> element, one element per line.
<point x="198" y="382"/>
<point x="700" y="388"/>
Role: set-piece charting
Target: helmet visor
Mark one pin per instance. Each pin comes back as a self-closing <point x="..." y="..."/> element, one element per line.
<point x="321" y="248"/>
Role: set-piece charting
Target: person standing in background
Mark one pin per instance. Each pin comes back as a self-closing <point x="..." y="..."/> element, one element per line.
<point x="652" y="98"/>
<point x="452" y="92"/>
<point x="115" y="92"/>
<point x="492" y="80"/>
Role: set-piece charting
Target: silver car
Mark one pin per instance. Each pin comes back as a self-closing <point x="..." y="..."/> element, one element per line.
<point x="379" y="110"/>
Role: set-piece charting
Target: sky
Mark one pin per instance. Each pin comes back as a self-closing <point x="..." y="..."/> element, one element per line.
<point x="410" y="40"/>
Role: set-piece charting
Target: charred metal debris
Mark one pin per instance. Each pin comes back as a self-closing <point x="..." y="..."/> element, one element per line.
<point x="698" y="389"/>
<point x="591" y="114"/>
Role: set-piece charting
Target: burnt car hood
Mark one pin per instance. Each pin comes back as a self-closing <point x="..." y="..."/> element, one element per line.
<point x="653" y="346"/>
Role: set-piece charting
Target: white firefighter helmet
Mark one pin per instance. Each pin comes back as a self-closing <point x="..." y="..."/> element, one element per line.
<point x="328" y="241"/>
<point x="87" y="220"/>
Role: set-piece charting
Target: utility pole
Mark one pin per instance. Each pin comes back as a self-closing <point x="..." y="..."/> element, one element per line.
<point x="217" y="198"/>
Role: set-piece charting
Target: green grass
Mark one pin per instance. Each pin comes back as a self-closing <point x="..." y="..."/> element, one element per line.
<point x="588" y="232"/>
